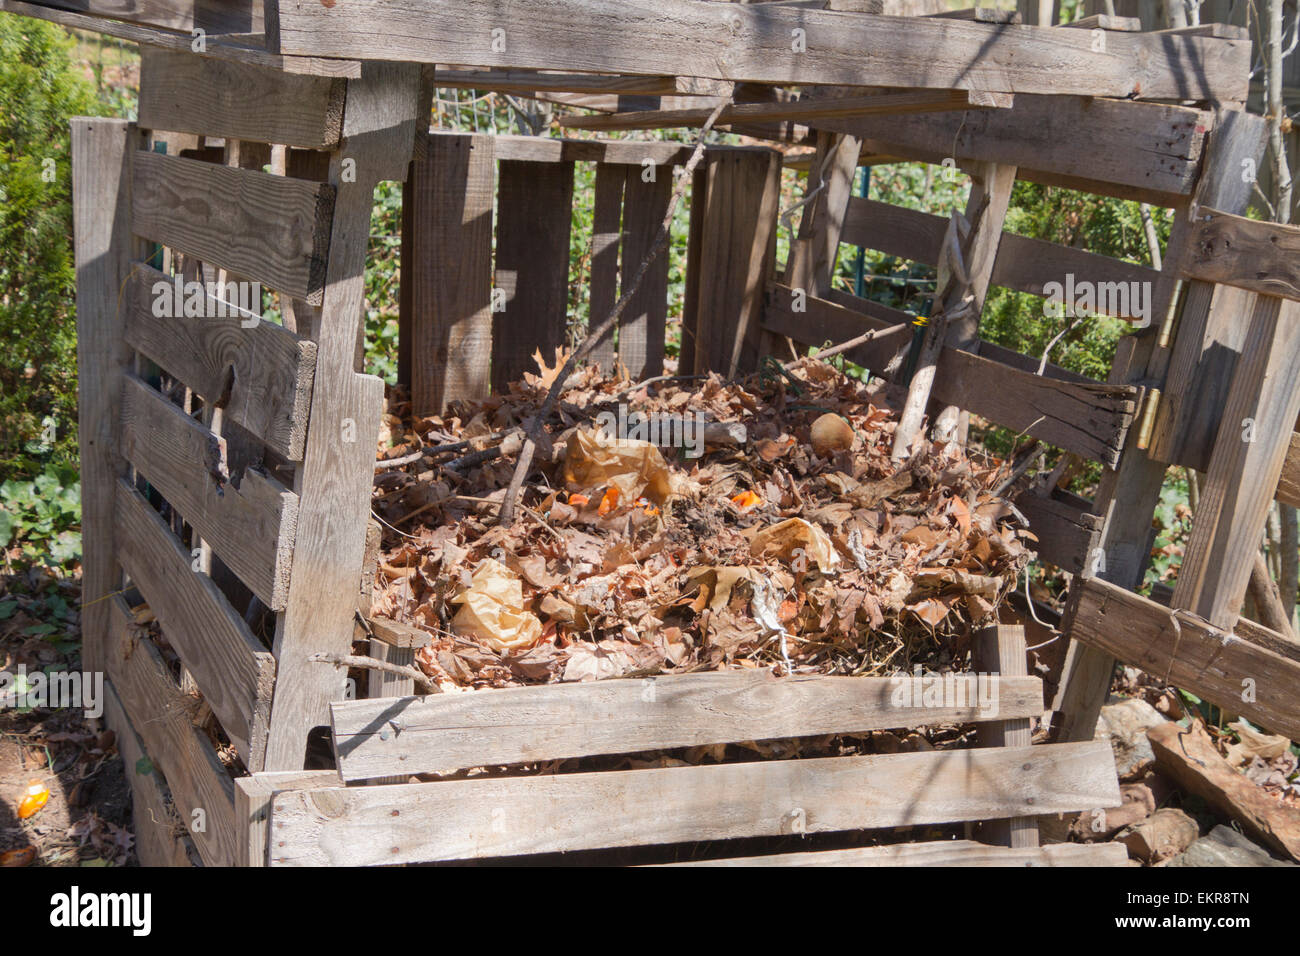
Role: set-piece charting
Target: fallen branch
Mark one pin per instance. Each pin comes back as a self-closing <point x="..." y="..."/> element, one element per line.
<point x="399" y="462"/>
<point x="850" y="344"/>
<point x="371" y="663"/>
<point x="596" y="333"/>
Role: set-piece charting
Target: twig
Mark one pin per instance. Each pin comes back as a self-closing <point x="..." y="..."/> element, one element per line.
<point x="399" y="462"/>
<point x="594" y="335"/>
<point x="850" y="344"/>
<point x="1019" y="467"/>
<point x="371" y="663"/>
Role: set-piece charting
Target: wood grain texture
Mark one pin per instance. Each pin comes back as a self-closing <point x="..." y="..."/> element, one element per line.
<point x="1000" y="649"/>
<point x="1249" y="451"/>
<point x="1066" y="529"/>
<point x="941" y="853"/>
<point x="529" y="81"/>
<point x="1023" y="264"/>
<point x="160" y="838"/>
<point x="1288" y="485"/>
<point x="212" y="16"/>
<point x="520" y="815"/>
<point x="616" y="152"/>
<point x="231" y="668"/>
<point x="1260" y="256"/>
<point x="266" y="369"/>
<point x="534" y="215"/>
<point x="190" y="94"/>
<point x="249" y="525"/>
<point x="160" y="712"/>
<point x="641" y="327"/>
<point x="811" y="262"/>
<point x="754" y="43"/>
<point x="446" y="337"/>
<point x="253" y="806"/>
<point x="606" y="240"/>
<point x="269" y="229"/>
<point x="446" y="732"/>
<point x="1208" y="661"/>
<point x="823" y="323"/>
<point x="102" y="150"/>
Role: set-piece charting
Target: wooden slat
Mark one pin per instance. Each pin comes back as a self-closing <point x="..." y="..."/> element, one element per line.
<point x="606" y="238"/>
<point x="239" y="47"/>
<point x="811" y="263"/>
<point x="519" y="815"/>
<point x="251" y="527"/>
<point x="548" y="149"/>
<point x="823" y="323"/>
<point x="1067" y="533"/>
<point x="641" y="327"/>
<point x="1249" y="451"/>
<point x="1023" y="264"/>
<point x="753" y="42"/>
<point x="1288" y="486"/>
<point x="802" y="111"/>
<point x="1191" y="653"/>
<point x="160" y="838"/>
<point x="211" y="16"/>
<point x="1102" y="21"/>
<point x="253" y="806"/>
<point x="231" y="668"/>
<point x="1000" y="649"/>
<point x="160" y="712"/>
<point x="442" y="733"/>
<point x="732" y="259"/>
<point x="1260" y="256"/>
<point x="529" y="81"/>
<point x="191" y="94"/>
<point x="1258" y="634"/>
<point x="941" y="853"/>
<point x="270" y="229"/>
<point x="534" y="215"/>
<point x="446" y="334"/>
<point x="263" y="371"/>
<point x="102" y="150"/>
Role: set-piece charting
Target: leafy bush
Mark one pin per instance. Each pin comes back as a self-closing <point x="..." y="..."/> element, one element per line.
<point x="39" y="90"/>
<point x="42" y="517"/>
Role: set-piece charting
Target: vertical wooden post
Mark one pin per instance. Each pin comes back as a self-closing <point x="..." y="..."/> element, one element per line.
<point x="812" y="255"/>
<point x="445" y="334"/>
<point x="732" y="257"/>
<point x="101" y="158"/>
<point x="642" y="324"/>
<point x="1001" y="650"/>
<point x="333" y="481"/>
<point x="534" y="212"/>
<point x="606" y="235"/>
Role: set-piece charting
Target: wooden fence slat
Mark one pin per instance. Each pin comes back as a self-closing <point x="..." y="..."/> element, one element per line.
<point x="250" y="527"/>
<point x="102" y="150"/>
<point x="539" y="814"/>
<point x="191" y="94"/>
<point x="160" y="712"/>
<point x="268" y="228"/>
<point x="263" y="371"/>
<point x="1263" y="257"/>
<point x="441" y="733"/>
<point x="606" y="239"/>
<point x="253" y="806"/>
<point x="940" y="853"/>
<point x="641" y="327"/>
<point x="1067" y="531"/>
<point x="534" y="214"/>
<point x="445" y="337"/>
<point x="231" y="668"/>
<point x="1000" y="649"/>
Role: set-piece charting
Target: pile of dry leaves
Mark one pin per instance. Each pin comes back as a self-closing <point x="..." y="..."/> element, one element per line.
<point x="792" y="541"/>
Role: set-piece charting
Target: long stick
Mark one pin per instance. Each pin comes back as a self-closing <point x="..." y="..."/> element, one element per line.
<point x="594" y="335"/>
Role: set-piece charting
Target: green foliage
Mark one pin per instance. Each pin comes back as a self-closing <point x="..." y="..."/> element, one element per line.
<point x="39" y="90"/>
<point x="383" y="282"/>
<point x="42" y="517"/>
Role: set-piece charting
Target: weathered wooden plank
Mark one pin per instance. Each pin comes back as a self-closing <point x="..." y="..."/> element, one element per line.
<point x="530" y="81"/>
<point x="518" y="815"/>
<point x="754" y="43"/>
<point x="1249" y="451"/>
<point x="102" y="150"/>
<point x="1260" y="256"/>
<point x="160" y="838"/>
<point x="1067" y="533"/>
<point x="641" y="327"/>
<point x="616" y="152"/>
<point x="446" y="337"/>
<point x="818" y="322"/>
<point x="201" y="790"/>
<point x="733" y="258"/>
<point x="940" y="853"/>
<point x="249" y="522"/>
<point x="811" y="262"/>
<point x="379" y="125"/>
<point x="262" y="371"/>
<point x="442" y="733"/>
<point x="1144" y="151"/>
<point x="231" y="668"/>
<point x="1186" y="651"/>
<point x="534" y="215"/>
<point x="192" y="94"/>
<point x="802" y="111"/>
<point x="1256" y="633"/>
<point x="253" y="806"/>
<point x="1000" y="649"/>
<point x="211" y="16"/>
<point x="1102" y="21"/>
<point x="1288" y="485"/>
<point x="268" y="228"/>
<point x="606" y="238"/>
<point x="1023" y="264"/>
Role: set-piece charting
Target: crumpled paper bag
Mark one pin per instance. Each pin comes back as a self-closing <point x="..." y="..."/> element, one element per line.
<point x="795" y="534"/>
<point x="492" y="610"/>
<point x="634" y="468"/>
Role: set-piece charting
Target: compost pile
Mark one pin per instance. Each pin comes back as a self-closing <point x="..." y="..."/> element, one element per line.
<point x="792" y="542"/>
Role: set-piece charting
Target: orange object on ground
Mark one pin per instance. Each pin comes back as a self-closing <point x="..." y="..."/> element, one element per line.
<point x="746" y="500"/>
<point x="36" y="797"/>
<point x="608" y="503"/>
<point x="579" y="501"/>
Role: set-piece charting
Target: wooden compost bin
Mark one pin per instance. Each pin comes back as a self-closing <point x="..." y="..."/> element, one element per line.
<point x="245" y="485"/>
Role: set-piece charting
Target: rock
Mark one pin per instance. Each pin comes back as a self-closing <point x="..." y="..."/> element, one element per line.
<point x="1125" y="724"/>
<point x="1096" y="825"/>
<point x="1165" y="834"/>
<point x="1225" y="847"/>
